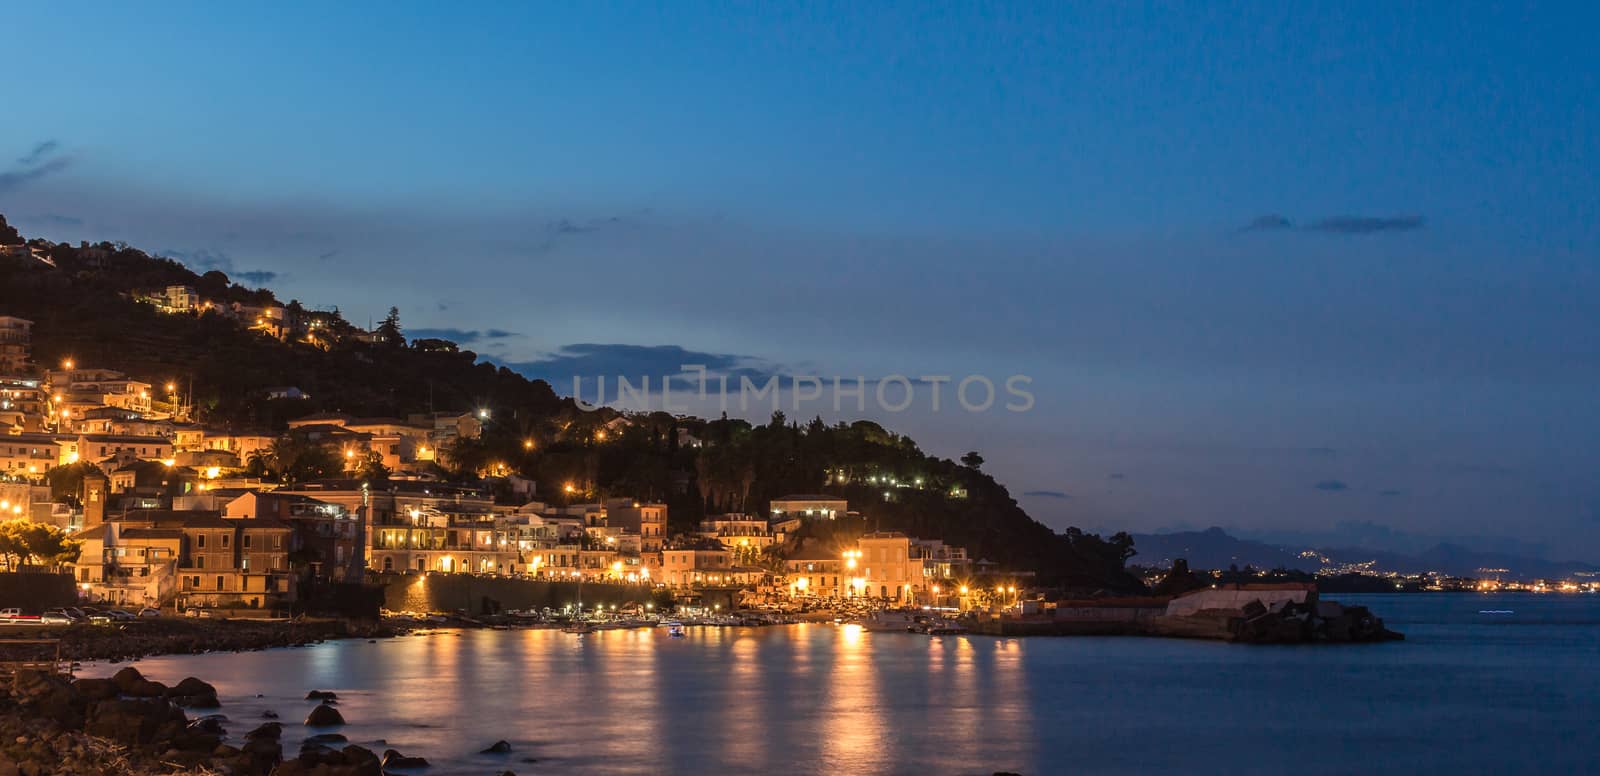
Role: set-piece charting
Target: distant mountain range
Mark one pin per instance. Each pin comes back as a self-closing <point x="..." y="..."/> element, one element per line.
<point x="1215" y="548"/>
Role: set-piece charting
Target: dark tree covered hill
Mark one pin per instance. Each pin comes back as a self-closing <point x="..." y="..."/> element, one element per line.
<point x="86" y="308"/>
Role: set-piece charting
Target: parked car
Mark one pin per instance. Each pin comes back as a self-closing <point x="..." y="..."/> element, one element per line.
<point x="119" y="614"/>
<point x="55" y="618"/>
<point x="101" y="618"/>
<point x="16" y="617"/>
<point x="149" y="612"/>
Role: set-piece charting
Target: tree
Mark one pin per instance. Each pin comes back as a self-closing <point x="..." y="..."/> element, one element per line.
<point x="972" y="460"/>
<point x="372" y="468"/>
<point x="28" y="542"/>
<point x="294" y="458"/>
<point x="66" y="482"/>
<point x="389" y="331"/>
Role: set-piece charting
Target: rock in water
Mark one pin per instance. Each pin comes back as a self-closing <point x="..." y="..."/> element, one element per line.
<point x="192" y="686"/>
<point x="324" y="716"/>
<point x="498" y="747"/>
<point x="363" y="758"/>
<point x="322" y="695"/>
<point x="393" y="759"/>
<point x="267" y="730"/>
<point x="127" y="678"/>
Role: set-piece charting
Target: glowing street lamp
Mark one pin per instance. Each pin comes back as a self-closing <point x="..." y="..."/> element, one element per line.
<point x="66" y="363"/>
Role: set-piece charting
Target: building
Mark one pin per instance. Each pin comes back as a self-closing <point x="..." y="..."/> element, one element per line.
<point x="888" y="570"/>
<point x="424" y="526"/>
<point x="175" y="299"/>
<point x="16" y="345"/>
<point x="233" y="563"/>
<point x="128" y="564"/>
<point x="24" y="406"/>
<point x="28" y="456"/>
<point x="647" y="521"/>
<point x="286" y="392"/>
<point x="99" y="447"/>
<point x="813" y="571"/>
<point x="192" y="558"/>
<point x="327" y="535"/>
<point x="810" y="506"/>
<point x="686" y="568"/>
<point x="745" y="535"/>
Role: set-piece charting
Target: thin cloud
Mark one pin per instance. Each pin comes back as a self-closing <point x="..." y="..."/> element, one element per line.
<point x="1344" y="224"/>
<point x="461" y="336"/>
<point x="1268" y="223"/>
<point x="592" y="360"/>
<point x="1388" y="492"/>
<point x="38" y="163"/>
<point x="38" y="153"/>
<point x="1331" y="486"/>
<point x="553" y="233"/>
<point x="257" y="277"/>
<point x="56" y="219"/>
<point x="205" y="260"/>
<point x="1366" y="224"/>
<point x="1055" y="494"/>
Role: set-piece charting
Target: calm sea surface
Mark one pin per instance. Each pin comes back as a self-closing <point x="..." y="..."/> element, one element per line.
<point x="1468" y="692"/>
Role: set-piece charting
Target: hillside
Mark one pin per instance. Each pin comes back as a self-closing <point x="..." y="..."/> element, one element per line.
<point x="85" y="307"/>
<point x="1214" y="548"/>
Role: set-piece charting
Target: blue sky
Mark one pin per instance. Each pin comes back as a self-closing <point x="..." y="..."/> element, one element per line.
<point x="1064" y="192"/>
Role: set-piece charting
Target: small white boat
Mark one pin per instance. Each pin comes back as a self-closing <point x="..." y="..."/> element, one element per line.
<point x="675" y="629"/>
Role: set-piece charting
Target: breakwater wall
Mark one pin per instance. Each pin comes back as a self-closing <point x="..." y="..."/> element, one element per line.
<point x="486" y="595"/>
<point x="34" y="592"/>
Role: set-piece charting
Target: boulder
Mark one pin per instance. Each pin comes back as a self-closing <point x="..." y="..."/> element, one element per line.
<point x="498" y="747"/>
<point x="96" y="689"/>
<point x="324" y="716"/>
<point x="201" y="701"/>
<point x="208" y="725"/>
<point x="50" y="696"/>
<point x="191" y="686"/>
<point x="322" y="695"/>
<point x="130" y="722"/>
<point x="269" y="730"/>
<point x="127" y="678"/>
<point x="393" y="759"/>
<point x="363" y="760"/>
<point x="264" y="752"/>
<point x="144" y="688"/>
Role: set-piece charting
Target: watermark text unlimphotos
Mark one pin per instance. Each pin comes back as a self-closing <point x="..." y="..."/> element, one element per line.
<point x="894" y="393"/>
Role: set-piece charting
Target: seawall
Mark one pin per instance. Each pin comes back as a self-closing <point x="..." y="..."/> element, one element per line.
<point x="486" y="595"/>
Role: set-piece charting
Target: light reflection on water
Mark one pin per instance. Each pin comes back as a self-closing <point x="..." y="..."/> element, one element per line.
<point x="1458" y="695"/>
<point x="799" y="699"/>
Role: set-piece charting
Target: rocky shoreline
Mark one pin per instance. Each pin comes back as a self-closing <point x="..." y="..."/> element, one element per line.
<point x="129" y="725"/>
<point x="172" y="636"/>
